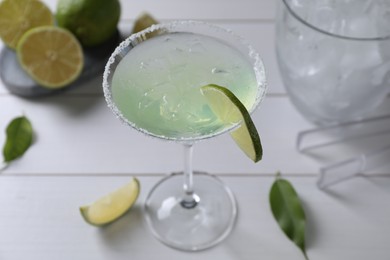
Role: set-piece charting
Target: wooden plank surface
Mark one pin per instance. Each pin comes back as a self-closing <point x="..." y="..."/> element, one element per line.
<point x="82" y="152"/>
<point x="42" y="221"/>
<point x="201" y="9"/>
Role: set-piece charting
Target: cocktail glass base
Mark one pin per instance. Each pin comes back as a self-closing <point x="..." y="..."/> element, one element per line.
<point x="191" y="222"/>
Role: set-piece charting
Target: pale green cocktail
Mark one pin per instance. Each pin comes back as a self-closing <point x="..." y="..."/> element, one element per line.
<point x="156" y="86"/>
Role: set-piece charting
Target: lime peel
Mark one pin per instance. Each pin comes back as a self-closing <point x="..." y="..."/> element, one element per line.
<point x="229" y="109"/>
<point x="111" y="206"/>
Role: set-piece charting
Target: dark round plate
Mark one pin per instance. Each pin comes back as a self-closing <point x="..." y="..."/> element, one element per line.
<point x="19" y="83"/>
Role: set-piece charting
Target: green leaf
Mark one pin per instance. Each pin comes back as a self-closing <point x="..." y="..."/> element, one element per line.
<point x="288" y="212"/>
<point x="19" y="138"/>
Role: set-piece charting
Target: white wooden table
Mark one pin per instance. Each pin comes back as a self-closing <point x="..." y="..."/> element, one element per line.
<point x="82" y="151"/>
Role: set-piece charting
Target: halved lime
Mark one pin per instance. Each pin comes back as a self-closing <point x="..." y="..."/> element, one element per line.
<point x="19" y="16"/>
<point x="111" y="206"/>
<point x="229" y="109"/>
<point x="52" y="56"/>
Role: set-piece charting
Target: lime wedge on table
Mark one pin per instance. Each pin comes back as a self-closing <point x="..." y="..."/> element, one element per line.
<point x="18" y="16"/>
<point x="111" y="206"/>
<point x="52" y="56"/>
<point x="229" y="109"/>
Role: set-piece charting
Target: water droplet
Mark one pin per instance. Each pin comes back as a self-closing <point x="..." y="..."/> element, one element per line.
<point x="217" y="71"/>
<point x="143" y="65"/>
<point x="196" y="47"/>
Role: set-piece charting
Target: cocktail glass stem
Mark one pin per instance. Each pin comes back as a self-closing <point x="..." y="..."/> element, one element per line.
<point x="190" y="199"/>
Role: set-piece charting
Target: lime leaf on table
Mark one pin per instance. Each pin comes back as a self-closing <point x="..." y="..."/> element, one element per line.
<point x="143" y="21"/>
<point x="92" y="21"/>
<point x="288" y="212"/>
<point x="19" y="138"/>
<point x="111" y="206"/>
<point x="229" y="109"/>
<point x="19" y="16"/>
<point x="52" y="56"/>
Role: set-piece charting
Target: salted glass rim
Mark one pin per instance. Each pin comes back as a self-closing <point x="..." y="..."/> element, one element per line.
<point x="252" y="55"/>
<point x="316" y="28"/>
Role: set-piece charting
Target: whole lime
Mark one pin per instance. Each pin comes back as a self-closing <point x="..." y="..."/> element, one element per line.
<point x="91" y="21"/>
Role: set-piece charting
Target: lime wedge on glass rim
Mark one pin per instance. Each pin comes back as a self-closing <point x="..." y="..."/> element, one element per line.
<point x="229" y="109"/>
<point x="111" y="206"/>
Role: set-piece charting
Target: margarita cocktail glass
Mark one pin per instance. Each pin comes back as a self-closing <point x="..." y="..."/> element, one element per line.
<point x="152" y="82"/>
